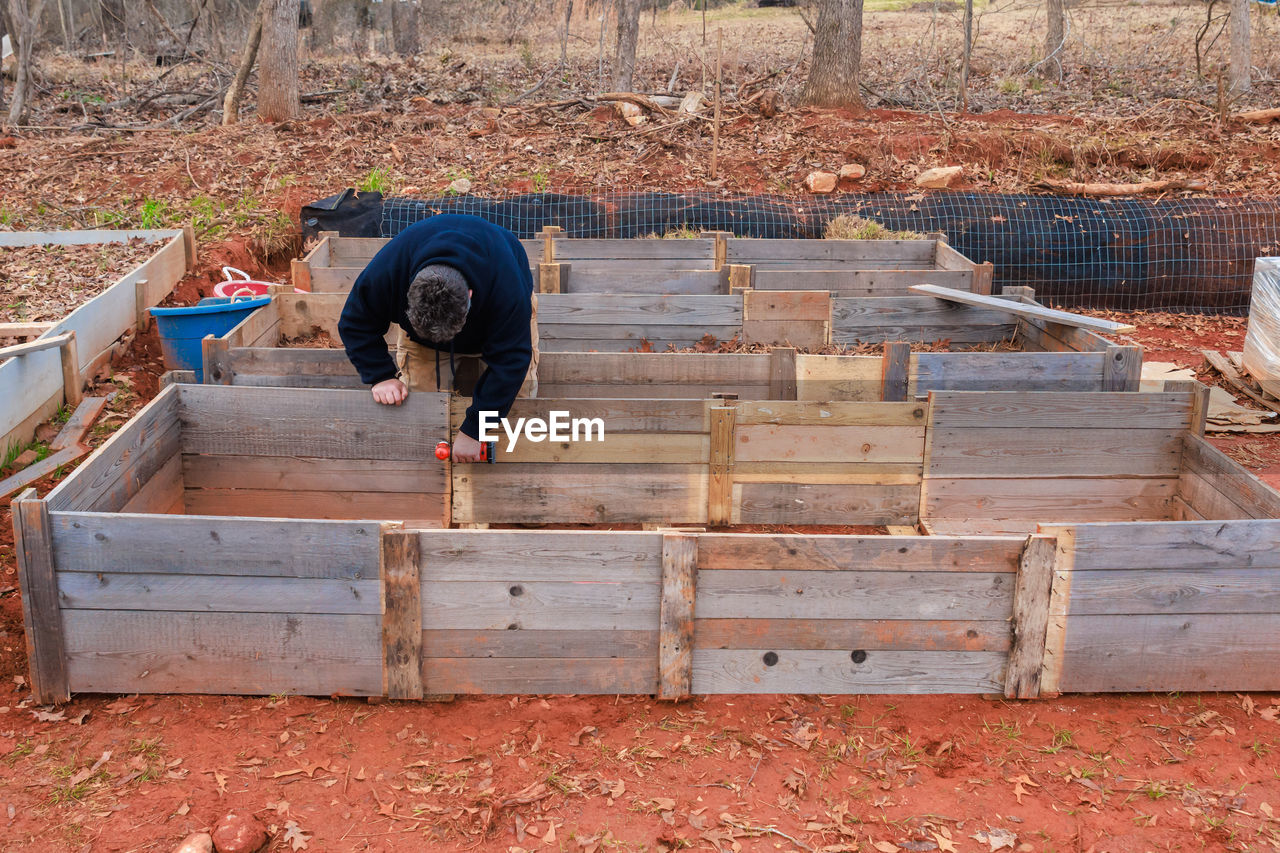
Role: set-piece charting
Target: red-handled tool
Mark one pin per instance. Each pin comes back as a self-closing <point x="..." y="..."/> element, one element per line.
<point x="444" y="451"/>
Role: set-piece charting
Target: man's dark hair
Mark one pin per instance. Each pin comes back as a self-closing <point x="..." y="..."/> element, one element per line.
<point x="438" y="302"/>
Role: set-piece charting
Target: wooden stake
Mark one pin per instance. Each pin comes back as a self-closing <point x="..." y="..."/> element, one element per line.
<point x="675" y="638"/>
<point x="895" y="373"/>
<point x="1122" y="370"/>
<point x="1030" y="618"/>
<point x="72" y="383"/>
<point x="46" y="652"/>
<point x="715" y="126"/>
<point x="401" y="615"/>
<point x="720" y="486"/>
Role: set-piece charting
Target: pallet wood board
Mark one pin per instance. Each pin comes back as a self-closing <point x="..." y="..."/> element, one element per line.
<point x="820" y="671"/>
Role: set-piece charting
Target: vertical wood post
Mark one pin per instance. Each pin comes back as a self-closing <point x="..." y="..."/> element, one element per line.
<point x="675" y="632"/>
<point x="141" y="315"/>
<point x="46" y="650"/>
<point x="553" y="278"/>
<point x="741" y="277"/>
<point x="895" y="372"/>
<point x="549" y="234"/>
<point x="983" y="278"/>
<point x="1199" y="401"/>
<point x="189" y="246"/>
<point x="1059" y="608"/>
<point x="1018" y="294"/>
<point x="782" y="373"/>
<point x="720" y="483"/>
<point x="300" y="273"/>
<point x="217" y="361"/>
<point x="1030" y="617"/>
<point x="401" y="615"/>
<point x="721" y="246"/>
<point x="72" y="382"/>
<point x="1122" y="369"/>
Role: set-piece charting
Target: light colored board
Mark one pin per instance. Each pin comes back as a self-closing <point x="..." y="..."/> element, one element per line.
<point x="300" y="313"/>
<point x="590" y="676"/>
<point x="1122" y="369"/>
<point x="287" y="362"/>
<point x="161" y="492"/>
<point x="989" y="371"/>
<point x="242" y="653"/>
<point x="79" y="424"/>
<point x="1030" y="618"/>
<point x="43" y="468"/>
<point x="832" y="414"/>
<point x="856" y="282"/>
<point x="1235" y="651"/>
<point x="632" y="339"/>
<point x="556" y="492"/>
<point x="216" y="593"/>
<point x="849" y="634"/>
<point x="45" y="342"/>
<point x="260" y="328"/>
<point x="905" y="672"/>
<point x="1230" y="478"/>
<point x="86" y="237"/>
<point x="745" y="250"/>
<point x="125" y="462"/>
<point x="1022" y="310"/>
<point x="676" y="606"/>
<point x="701" y="249"/>
<point x="838" y="377"/>
<point x="540" y="605"/>
<point x="1059" y="602"/>
<point x="1174" y="591"/>
<point x="825" y="504"/>
<point x="1062" y="410"/>
<point x="421" y="509"/>
<point x="862" y="553"/>
<point x="683" y="391"/>
<point x="1054" y="337"/>
<point x="978" y="526"/>
<point x="586" y="278"/>
<point x="338" y="280"/>
<point x="1044" y="452"/>
<point x="43" y="625"/>
<point x="188" y="545"/>
<point x="875" y="444"/>
<point x="762" y="594"/>
<point x="721" y="466"/>
<point x="1120" y="499"/>
<point x="526" y="555"/>
<point x="328" y="423"/>
<point x="638" y="309"/>
<point x="782" y="374"/>
<point x="790" y="318"/>
<point x="948" y="258"/>
<point x="540" y="644"/>
<point x="304" y="473"/>
<point x="401" y="608"/>
<point x="297" y="379"/>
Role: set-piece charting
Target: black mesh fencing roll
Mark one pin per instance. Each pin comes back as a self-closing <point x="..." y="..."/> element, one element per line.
<point x="1185" y="254"/>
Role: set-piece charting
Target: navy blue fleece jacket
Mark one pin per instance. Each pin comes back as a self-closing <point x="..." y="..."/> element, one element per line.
<point x="497" y="270"/>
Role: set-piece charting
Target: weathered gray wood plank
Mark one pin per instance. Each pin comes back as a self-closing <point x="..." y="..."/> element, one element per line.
<point x="1175" y="591"/>
<point x="1231" y="478"/>
<point x="243" y="653"/>
<point x="216" y="593"/>
<point x="525" y="555"/>
<point x="638" y="309"/>
<point x="803" y="503"/>
<point x="183" y="545"/>
<point x="1062" y="500"/>
<point x="861" y="553"/>
<point x="1235" y="651"/>
<point x="1062" y="410"/>
<point x="1048" y="452"/>
<point x="588" y="676"/>
<point x="850" y="634"/>
<point x="1172" y="546"/>
<point x="401" y="615"/>
<point x="307" y="473"/>
<point x="676" y="606"/>
<point x="733" y="594"/>
<point x="541" y="605"/>
<point x="539" y="644"/>
<point x="1030" y="618"/>
<point x="42" y="619"/>
<point x="1025" y="371"/>
<point x="730" y="671"/>
<point x="293" y="503"/>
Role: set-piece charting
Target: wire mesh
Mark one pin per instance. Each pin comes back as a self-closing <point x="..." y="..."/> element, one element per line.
<point x="1192" y="254"/>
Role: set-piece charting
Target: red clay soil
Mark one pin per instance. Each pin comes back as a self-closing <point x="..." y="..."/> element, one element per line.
<point x="1088" y="774"/>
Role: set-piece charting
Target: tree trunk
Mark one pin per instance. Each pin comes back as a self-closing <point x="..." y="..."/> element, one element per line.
<point x="24" y="15"/>
<point x="231" y="103"/>
<point x="404" y="25"/>
<point x="624" y="57"/>
<point x="1054" y="38"/>
<point x="1241" y="63"/>
<point x="278" y="97"/>
<point x="967" y="56"/>
<point x="837" y="56"/>
<point x="113" y="16"/>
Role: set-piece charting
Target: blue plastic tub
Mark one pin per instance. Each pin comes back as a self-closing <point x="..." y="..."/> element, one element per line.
<point x="182" y="329"/>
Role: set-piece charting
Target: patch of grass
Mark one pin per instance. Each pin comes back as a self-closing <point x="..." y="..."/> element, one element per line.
<point x="1010" y="86"/>
<point x="845" y="227"/>
<point x="377" y="181"/>
<point x="541" y="181"/>
<point x="1062" y="738"/>
<point x="67" y="791"/>
<point x="1008" y="729"/>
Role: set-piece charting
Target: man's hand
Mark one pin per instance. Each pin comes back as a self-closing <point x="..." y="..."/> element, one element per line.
<point x="390" y="392"/>
<point x="466" y="448"/>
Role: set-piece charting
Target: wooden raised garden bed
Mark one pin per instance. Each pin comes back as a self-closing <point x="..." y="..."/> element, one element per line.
<point x="266" y="540"/>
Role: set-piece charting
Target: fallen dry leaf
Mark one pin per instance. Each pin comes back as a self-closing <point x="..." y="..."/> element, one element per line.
<point x="886" y="847"/>
<point x="995" y="838"/>
<point x="294" y="835"/>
